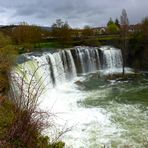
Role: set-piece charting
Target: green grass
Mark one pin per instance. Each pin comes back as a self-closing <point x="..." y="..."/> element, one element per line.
<point x="48" y="45"/>
<point x="39" y="46"/>
<point x="109" y="38"/>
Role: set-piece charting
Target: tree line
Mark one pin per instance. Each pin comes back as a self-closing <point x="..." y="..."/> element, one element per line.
<point x="27" y="38"/>
<point x="27" y="35"/>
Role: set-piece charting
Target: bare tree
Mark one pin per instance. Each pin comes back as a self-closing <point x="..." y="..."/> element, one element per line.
<point x="62" y="32"/>
<point x="124" y="34"/>
<point x="29" y="120"/>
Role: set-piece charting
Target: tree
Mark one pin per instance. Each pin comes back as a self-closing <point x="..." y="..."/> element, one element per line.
<point x="124" y="33"/>
<point x="124" y="19"/>
<point x="113" y="28"/>
<point x="117" y="23"/>
<point x="87" y="32"/>
<point x="110" y="22"/>
<point x="66" y="34"/>
<point x="88" y="37"/>
<point x="56" y="28"/>
<point x="4" y="40"/>
<point x="144" y="29"/>
<point x="27" y="34"/>
<point x="62" y="32"/>
<point x="7" y="57"/>
<point x="144" y="42"/>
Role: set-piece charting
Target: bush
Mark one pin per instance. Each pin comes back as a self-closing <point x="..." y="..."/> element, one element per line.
<point x="91" y="42"/>
<point x="18" y="129"/>
<point x="21" y="122"/>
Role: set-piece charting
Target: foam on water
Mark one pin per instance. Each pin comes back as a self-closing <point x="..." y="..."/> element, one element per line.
<point x="90" y="126"/>
<point x="116" y="71"/>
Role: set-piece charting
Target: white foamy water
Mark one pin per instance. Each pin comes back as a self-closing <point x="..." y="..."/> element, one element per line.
<point x="90" y="127"/>
<point x="111" y="71"/>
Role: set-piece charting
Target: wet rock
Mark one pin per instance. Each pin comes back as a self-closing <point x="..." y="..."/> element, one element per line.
<point x="79" y="83"/>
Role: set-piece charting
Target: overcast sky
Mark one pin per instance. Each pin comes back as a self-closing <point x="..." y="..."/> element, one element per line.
<point x="77" y="12"/>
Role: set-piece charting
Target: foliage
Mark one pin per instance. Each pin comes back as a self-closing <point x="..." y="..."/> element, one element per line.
<point x="8" y="117"/>
<point x="48" y="45"/>
<point x="7" y="58"/>
<point x="87" y="32"/>
<point x="110" y="22"/>
<point x="4" y="40"/>
<point x="62" y="32"/>
<point x="144" y="29"/>
<point x="113" y="28"/>
<point x="29" y="121"/>
<point x="139" y="47"/>
<point x="91" y="42"/>
<point x="21" y="123"/>
<point x="25" y="33"/>
<point x="117" y="23"/>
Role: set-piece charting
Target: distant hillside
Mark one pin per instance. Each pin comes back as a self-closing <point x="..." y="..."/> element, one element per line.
<point x="46" y="28"/>
<point x="14" y="26"/>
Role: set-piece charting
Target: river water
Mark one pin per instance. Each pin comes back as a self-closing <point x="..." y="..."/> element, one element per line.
<point x="95" y="111"/>
<point x="101" y="112"/>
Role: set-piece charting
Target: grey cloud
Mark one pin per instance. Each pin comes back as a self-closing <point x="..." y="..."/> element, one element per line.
<point x="2" y="10"/>
<point x="76" y="12"/>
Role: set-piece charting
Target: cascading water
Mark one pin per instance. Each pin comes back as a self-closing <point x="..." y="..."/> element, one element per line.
<point x="58" y="67"/>
<point x="89" y="111"/>
<point x="87" y="59"/>
<point x="54" y="68"/>
<point x="68" y="63"/>
<point x="60" y="76"/>
<point x="112" y="59"/>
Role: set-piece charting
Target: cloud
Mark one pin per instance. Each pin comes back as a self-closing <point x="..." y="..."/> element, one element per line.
<point x="77" y="12"/>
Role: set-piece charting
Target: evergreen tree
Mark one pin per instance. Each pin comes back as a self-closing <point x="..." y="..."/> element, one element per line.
<point x="110" y="22"/>
<point x="117" y="22"/>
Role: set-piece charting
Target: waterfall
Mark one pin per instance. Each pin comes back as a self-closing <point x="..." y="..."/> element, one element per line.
<point x="112" y="59"/>
<point x="58" y="67"/>
<point x="97" y="59"/>
<point x="87" y="59"/>
<point x="79" y="59"/>
<point x="68" y="63"/>
<point x="60" y="76"/>
<point x="43" y="71"/>
<point x="51" y="70"/>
